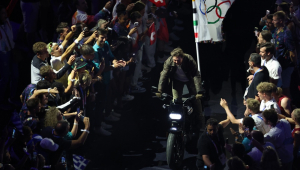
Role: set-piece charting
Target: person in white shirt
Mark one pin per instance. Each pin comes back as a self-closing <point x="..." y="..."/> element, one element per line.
<point x="255" y="153"/>
<point x="252" y="106"/>
<point x="58" y="56"/>
<point x="265" y="90"/>
<point x="280" y="136"/>
<point x="268" y="60"/>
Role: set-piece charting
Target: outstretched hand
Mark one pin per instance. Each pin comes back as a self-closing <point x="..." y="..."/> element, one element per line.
<point x="223" y="103"/>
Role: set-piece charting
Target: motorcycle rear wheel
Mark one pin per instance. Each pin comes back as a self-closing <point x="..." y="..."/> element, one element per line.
<point x="175" y="150"/>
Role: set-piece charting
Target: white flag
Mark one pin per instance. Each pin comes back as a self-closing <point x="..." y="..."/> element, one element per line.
<point x="208" y="16"/>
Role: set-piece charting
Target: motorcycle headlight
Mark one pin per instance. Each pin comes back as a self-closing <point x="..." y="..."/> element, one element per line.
<point x="175" y="116"/>
<point x="173" y="129"/>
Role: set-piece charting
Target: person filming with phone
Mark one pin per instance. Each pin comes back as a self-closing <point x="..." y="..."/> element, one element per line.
<point x="58" y="133"/>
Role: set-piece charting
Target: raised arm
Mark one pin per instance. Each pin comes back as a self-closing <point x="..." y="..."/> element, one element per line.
<point x="75" y="128"/>
<point x="233" y="120"/>
<point x="71" y="47"/>
<point x="41" y="91"/>
<point x="65" y="68"/>
<point x="69" y="36"/>
<point x="225" y="122"/>
<point x="91" y="38"/>
<point x="80" y="141"/>
<point x="70" y="85"/>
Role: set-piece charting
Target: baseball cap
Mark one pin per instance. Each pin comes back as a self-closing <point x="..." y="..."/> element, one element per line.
<point x="79" y="62"/>
<point x="48" y="143"/>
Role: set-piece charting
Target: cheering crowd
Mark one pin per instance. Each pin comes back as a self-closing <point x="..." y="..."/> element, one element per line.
<point x="83" y="68"/>
<point x="269" y="134"/>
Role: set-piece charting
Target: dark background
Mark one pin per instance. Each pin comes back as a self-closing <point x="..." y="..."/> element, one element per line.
<point x="138" y="128"/>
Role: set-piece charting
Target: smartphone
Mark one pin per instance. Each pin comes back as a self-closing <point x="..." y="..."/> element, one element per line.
<point x="47" y="166"/>
<point x="136" y="24"/>
<point x="247" y="130"/>
<point x="85" y="29"/>
<point x="256" y="31"/>
<point x="63" y="160"/>
<point x="13" y="133"/>
<point x="81" y="118"/>
<point x="78" y="111"/>
<point x="34" y="155"/>
<point x="267" y="12"/>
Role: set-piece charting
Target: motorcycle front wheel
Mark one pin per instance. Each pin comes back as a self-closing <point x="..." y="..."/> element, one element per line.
<point x="175" y="150"/>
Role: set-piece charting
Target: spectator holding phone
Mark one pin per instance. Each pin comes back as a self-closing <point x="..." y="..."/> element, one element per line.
<point x="120" y="26"/>
<point x="53" y="115"/>
<point x="59" y="56"/>
<point x="81" y="16"/>
<point x="137" y="50"/>
<point x="58" y="133"/>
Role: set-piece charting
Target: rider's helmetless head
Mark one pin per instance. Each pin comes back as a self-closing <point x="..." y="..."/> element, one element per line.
<point x="177" y="55"/>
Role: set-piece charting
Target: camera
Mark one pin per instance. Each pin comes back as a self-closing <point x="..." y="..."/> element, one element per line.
<point x="136" y="24"/>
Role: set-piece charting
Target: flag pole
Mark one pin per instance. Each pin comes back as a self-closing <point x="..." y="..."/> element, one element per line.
<point x="195" y="24"/>
<point x="198" y="58"/>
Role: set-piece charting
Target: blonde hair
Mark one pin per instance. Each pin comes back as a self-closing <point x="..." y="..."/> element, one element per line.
<point x="253" y="105"/>
<point x="38" y="47"/>
<point x="297" y="115"/>
<point x="265" y="87"/>
<point x="50" y="47"/>
<point x="51" y="117"/>
<point x="84" y="78"/>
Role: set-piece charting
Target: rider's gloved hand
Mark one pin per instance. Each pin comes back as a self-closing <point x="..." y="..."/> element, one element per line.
<point x="158" y="94"/>
<point x="199" y="96"/>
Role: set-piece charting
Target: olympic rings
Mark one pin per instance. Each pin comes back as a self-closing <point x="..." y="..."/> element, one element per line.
<point x="208" y="10"/>
<point x="219" y="7"/>
<point x="200" y="8"/>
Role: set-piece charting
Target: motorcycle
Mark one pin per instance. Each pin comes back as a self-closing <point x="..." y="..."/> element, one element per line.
<point x="181" y="127"/>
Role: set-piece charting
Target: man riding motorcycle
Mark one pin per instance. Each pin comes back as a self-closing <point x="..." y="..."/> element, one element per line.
<point x="180" y="69"/>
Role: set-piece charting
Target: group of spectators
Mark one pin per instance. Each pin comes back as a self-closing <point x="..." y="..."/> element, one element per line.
<point x="269" y="134"/>
<point x="83" y="69"/>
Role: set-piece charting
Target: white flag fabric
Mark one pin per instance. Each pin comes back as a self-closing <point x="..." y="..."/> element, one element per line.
<point x="208" y="16"/>
<point x="79" y="162"/>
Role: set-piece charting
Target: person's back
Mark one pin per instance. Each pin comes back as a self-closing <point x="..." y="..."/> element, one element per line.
<point x="270" y="160"/>
<point x="262" y="76"/>
<point x="280" y="136"/>
<point x="260" y="124"/>
<point x="256" y="154"/>
<point x="48" y="132"/>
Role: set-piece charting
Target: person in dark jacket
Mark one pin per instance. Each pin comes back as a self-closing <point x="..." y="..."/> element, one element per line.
<point x="182" y="69"/>
<point x="260" y="74"/>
